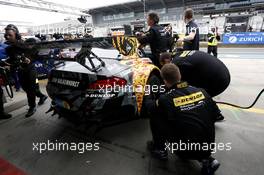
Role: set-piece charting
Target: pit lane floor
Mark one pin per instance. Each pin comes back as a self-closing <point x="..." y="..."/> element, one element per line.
<point x="122" y="147"/>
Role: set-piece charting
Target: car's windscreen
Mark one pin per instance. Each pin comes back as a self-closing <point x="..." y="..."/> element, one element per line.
<point x="106" y="53"/>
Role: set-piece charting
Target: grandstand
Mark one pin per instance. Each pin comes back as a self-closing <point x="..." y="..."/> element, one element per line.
<point x="227" y="15"/>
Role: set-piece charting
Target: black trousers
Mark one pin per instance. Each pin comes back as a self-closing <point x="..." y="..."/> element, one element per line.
<point x="155" y="59"/>
<point x="27" y="79"/>
<point x="164" y="131"/>
<point x="212" y="49"/>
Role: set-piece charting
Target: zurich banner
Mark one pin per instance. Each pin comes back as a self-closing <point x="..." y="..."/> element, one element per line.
<point x="244" y="38"/>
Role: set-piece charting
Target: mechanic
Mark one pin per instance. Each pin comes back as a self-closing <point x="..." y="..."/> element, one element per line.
<point x="213" y="38"/>
<point x="183" y="114"/>
<point x="26" y="69"/>
<point x="201" y="70"/>
<point x="192" y="38"/>
<point x="156" y="37"/>
<point x="3" y="55"/>
<point x="168" y="30"/>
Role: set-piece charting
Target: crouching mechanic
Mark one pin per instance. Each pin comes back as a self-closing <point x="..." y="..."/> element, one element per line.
<point x="183" y="114"/>
<point x="201" y="70"/>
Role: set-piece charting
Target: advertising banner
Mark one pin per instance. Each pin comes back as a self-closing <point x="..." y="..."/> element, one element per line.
<point x="244" y="38"/>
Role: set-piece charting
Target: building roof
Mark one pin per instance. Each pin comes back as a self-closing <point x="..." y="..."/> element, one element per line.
<point x="200" y="6"/>
<point x="137" y="5"/>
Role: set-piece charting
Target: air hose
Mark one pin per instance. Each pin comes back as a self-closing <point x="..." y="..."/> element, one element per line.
<point x="243" y="107"/>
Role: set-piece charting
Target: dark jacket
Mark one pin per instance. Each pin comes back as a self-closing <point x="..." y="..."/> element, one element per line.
<point x="17" y="53"/>
<point x="191" y="110"/>
<point x="203" y="70"/>
<point x="193" y="44"/>
<point x="157" y="39"/>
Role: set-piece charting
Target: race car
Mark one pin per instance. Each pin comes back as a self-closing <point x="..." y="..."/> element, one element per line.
<point x="106" y="83"/>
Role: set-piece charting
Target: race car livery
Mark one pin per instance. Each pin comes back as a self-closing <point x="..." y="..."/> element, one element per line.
<point x="107" y="76"/>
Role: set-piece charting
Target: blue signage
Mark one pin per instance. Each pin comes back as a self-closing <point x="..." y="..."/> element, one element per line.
<point x="3" y="51"/>
<point x="43" y="67"/>
<point x="244" y="38"/>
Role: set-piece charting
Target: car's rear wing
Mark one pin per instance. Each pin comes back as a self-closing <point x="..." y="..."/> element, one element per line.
<point x="126" y="46"/>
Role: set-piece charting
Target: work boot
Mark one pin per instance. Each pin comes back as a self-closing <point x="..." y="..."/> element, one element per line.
<point x="157" y="153"/>
<point x="220" y="118"/>
<point x="5" y="116"/>
<point x="209" y="166"/>
<point x="42" y="100"/>
<point x="30" y="112"/>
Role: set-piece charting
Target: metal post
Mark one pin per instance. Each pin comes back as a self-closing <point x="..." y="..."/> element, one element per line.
<point x="144" y="4"/>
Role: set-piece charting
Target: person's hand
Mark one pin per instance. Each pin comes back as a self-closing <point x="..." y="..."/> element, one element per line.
<point x="27" y="60"/>
<point x="7" y="67"/>
<point x="143" y="34"/>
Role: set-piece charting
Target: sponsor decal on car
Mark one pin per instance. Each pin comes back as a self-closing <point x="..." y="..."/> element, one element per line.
<point x="65" y="82"/>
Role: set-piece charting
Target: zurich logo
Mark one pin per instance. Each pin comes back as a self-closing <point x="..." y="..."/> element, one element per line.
<point x="233" y="39"/>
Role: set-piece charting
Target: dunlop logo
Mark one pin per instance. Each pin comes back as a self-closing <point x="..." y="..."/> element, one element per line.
<point x="189" y="99"/>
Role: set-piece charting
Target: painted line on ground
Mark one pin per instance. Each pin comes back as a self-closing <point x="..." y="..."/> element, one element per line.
<point x="252" y="110"/>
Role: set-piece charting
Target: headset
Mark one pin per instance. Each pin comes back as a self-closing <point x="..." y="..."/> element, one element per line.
<point x="15" y="29"/>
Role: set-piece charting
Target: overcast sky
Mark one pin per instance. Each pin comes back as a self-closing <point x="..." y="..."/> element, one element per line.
<point x="41" y="17"/>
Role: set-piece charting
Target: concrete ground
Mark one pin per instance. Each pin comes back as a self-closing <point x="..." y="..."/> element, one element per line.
<point x="16" y="102"/>
<point x="122" y="147"/>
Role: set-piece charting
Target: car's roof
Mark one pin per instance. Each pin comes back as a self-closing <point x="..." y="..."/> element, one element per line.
<point x="106" y="53"/>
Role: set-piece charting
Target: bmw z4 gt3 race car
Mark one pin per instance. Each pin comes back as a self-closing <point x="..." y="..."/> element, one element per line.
<point x="106" y="82"/>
